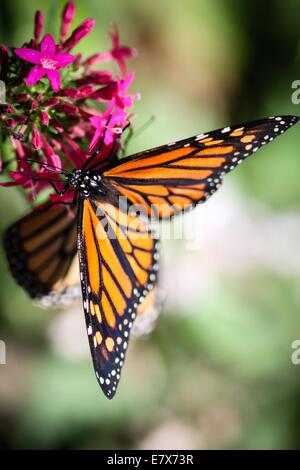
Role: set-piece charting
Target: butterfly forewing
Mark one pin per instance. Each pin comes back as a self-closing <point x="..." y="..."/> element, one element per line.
<point x="173" y="178"/>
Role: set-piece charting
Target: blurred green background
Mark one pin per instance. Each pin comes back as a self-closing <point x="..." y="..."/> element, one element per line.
<point x="216" y="372"/>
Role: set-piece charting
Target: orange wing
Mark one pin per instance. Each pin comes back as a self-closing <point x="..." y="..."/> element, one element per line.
<point x="117" y="254"/>
<point x="41" y="251"/>
<point x="170" y="179"/>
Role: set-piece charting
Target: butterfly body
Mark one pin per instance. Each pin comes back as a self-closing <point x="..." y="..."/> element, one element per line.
<point x="118" y="252"/>
<point x="88" y="184"/>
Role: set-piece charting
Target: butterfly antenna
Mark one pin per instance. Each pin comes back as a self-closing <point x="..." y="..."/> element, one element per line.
<point x="142" y="128"/>
<point x="133" y="134"/>
<point x="48" y="166"/>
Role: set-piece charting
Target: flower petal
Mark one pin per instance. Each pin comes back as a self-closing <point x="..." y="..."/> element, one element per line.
<point x="115" y="36"/>
<point x="48" y="47"/>
<point x="35" y="75"/>
<point x="118" y="117"/>
<point x="55" y="79"/>
<point x="96" y="137"/>
<point x="63" y="59"/>
<point x="109" y="108"/>
<point x="128" y="51"/>
<point x="128" y="101"/>
<point x="8" y="184"/>
<point x="122" y="64"/>
<point x="96" y="121"/>
<point x="55" y="161"/>
<point x="19" y="180"/>
<point x="30" y="55"/>
<point x="127" y="81"/>
<point x="102" y="57"/>
<point x="120" y="102"/>
<point x="108" y="137"/>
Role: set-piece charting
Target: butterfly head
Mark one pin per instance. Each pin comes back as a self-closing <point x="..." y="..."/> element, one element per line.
<point x="87" y="183"/>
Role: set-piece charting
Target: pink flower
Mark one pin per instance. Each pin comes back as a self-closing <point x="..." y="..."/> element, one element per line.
<point x="23" y="175"/>
<point x="117" y="53"/>
<point x="18" y="180"/>
<point x="47" y="62"/>
<point x="123" y="100"/>
<point x="109" y="123"/>
<point x="49" y="131"/>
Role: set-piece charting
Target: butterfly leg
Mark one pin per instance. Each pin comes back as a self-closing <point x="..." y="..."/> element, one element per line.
<point x="59" y="193"/>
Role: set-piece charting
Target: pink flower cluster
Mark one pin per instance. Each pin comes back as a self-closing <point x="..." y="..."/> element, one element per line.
<point x="60" y="106"/>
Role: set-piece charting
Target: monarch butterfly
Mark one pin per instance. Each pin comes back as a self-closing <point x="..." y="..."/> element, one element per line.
<point x="118" y="252"/>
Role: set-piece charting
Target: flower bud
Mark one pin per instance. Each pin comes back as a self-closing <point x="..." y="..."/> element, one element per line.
<point x="10" y="123"/>
<point x="79" y="33"/>
<point x="44" y="118"/>
<point x="34" y="105"/>
<point x="85" y="91"/>
<point x="51" y="102"/>
<point x="36" y="139"/>
<point x="57" y="126"/>
<point x="67" y="108"/>
<point x="22" y="119"/>
<point x="69" y="92"/>
<point x="6" y="108"/>
<point x="21" y="98"/>
<point x="67" y="18"/>
<point x="38" y="25"/>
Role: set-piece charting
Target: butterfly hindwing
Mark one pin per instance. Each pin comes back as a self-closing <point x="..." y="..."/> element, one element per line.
<point x="118" y="264"/>
<point x="173" y="178"/>
<point x="41" y="249"/>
